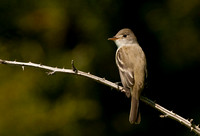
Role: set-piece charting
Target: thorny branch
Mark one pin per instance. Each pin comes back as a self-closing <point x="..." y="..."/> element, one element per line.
<point x="75" y="71"/>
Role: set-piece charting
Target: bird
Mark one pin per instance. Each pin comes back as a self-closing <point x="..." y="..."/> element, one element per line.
<point x="132" y="65"/>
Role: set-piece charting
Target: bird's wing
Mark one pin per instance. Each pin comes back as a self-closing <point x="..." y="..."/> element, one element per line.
<point x="125" y="68"/>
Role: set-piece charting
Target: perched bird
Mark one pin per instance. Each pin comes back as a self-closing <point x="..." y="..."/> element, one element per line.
<point x="131" y="62"/>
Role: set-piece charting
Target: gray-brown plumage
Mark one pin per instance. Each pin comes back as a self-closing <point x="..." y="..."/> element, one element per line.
<point x="131" y="63"/>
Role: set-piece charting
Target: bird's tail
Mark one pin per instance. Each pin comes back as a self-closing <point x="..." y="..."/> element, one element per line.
<point x="134" y="117"/>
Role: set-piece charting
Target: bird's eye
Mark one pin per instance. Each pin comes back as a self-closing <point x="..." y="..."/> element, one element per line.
<point x="124" y="35"/>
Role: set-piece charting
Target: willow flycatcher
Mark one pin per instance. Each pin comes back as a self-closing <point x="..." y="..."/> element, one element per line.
<point x="131" y="62"/>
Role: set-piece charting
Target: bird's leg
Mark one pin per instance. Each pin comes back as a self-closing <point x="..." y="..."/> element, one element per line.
<point x="118" y="83"/>
<point x="127" y="92"/>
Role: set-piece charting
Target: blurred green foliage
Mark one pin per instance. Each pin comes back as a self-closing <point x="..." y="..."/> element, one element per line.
<point x="55" y="32"/>
<point x="176" y="24"/>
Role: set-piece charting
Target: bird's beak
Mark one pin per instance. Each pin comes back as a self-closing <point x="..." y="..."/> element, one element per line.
<point x="113" y="38"/>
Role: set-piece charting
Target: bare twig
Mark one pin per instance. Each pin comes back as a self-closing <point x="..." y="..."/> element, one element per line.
<point x="52" y="70"/>
<point x="172" y="115"/>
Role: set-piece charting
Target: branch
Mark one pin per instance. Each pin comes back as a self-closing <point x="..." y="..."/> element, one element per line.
<point x="166" y="113"/>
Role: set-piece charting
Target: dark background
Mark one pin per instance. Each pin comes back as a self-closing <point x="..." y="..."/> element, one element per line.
<point x="55" y="32"/>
